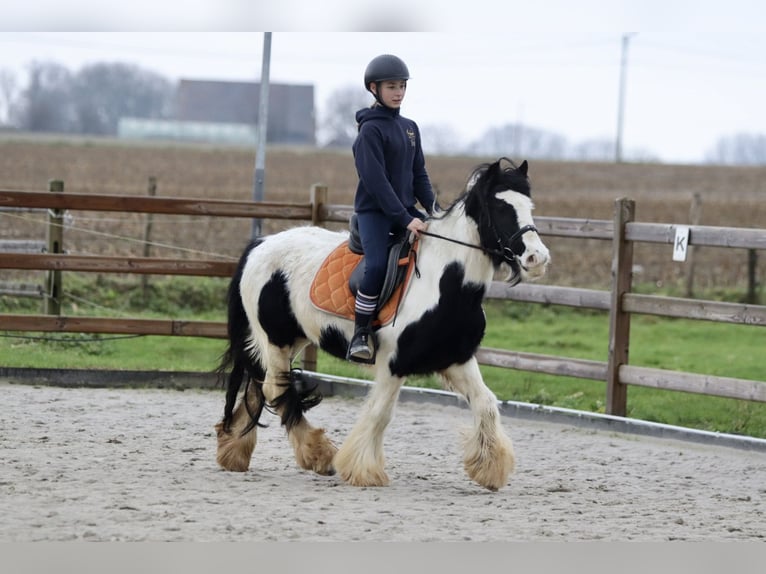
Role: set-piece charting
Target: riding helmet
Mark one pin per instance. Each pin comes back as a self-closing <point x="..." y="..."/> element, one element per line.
<point x="385" y="67"/>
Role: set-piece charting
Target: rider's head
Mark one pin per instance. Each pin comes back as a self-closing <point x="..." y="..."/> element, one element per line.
<point x="386" y="78"/>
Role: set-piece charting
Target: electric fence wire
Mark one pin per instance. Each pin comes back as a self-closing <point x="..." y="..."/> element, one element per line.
<point x="93" y="304"/>
<point x="123" y="238"/>
<point x="67" y="338"/>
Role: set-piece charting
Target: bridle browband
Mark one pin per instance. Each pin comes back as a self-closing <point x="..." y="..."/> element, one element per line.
<point x="504" y="251"/>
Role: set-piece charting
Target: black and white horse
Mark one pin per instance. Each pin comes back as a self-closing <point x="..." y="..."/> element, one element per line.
<point x="439" y="325"/>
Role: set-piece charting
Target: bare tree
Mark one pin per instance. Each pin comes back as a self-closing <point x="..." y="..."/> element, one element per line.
<point x="91" y="101"/>
<point x="441" y="139"/>
<point x="515" y="140"/>
<point x="8" y="89"/>
<point x="103" y="93"/>
<point x="46" y="103"/>
<point x="739" y="149"/>
<point x="592" y="150"/>
<point x="338" y="126"/>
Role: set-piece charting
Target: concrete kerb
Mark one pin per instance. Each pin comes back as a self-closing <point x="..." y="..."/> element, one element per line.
<point x="329" y="385"/>
<point x="519" y="410"/>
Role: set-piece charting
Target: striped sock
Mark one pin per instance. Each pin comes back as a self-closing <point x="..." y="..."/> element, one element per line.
<point x="365" y="305"/>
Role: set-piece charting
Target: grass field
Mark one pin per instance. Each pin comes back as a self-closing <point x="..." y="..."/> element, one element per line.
<point x="731" y="196"/>
<point x="675" y="344"/>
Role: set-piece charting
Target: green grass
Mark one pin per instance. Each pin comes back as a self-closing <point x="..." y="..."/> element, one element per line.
<point x="674" y="344"/>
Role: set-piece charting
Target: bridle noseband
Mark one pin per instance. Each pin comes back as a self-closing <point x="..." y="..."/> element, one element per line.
<point x="506" y="250"/>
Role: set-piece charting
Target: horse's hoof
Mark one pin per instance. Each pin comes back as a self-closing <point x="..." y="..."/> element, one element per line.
<point x="234" y="452"/>
<point x="376" y="481"/>
<point x="316" y="452"/>
<point x="325" y="471"/>
<point x="368" y="478"/>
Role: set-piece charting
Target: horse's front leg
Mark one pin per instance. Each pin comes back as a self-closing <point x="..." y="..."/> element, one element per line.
<point x="360" y="460"/>
<point x="488" y="458"/>
<point x="313" y="449"/>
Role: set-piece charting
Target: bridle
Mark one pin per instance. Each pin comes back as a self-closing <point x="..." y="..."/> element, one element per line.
<point x="505" y="252"/>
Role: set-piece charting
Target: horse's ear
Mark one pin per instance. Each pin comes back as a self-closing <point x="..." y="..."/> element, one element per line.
<point x="523" y="168"/>
<point x="494" y="169"/>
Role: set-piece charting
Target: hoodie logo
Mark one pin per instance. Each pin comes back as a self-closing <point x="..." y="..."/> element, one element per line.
<point x="411" y="135"/>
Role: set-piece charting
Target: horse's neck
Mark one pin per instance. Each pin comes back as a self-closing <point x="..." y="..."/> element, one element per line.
<point x="456" y="226"/>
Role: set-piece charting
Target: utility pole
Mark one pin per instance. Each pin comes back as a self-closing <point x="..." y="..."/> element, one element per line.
<point x="263" y="117"/>
<point x="621" y="101"/>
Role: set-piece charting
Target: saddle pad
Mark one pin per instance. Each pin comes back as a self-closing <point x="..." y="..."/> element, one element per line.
<point x="330" y="291"/>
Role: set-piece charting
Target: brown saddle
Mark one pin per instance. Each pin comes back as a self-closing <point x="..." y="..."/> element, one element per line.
<point x="334" y="286"/>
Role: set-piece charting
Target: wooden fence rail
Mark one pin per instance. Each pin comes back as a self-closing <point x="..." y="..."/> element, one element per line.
<point x="102" y="264"/>
<point x="165" y="205"/>
<point x="619" y="302"/>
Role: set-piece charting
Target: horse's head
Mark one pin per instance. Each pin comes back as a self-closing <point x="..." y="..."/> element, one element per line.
<point x="499" y="200"/>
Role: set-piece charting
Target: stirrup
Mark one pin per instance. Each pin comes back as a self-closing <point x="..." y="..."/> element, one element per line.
<point x="362" y="348"/>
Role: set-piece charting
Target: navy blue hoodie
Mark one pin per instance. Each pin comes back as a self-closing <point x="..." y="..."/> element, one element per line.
<point x="390" y="164"/>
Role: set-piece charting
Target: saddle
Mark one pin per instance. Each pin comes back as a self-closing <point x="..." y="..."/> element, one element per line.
<point x="335" y="284"/>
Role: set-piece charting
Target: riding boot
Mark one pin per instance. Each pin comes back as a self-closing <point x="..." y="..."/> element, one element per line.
<point x="363" y="346"/>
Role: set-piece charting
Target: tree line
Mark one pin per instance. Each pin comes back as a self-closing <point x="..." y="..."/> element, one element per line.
<point x="90" y="101"/>
<point x="93" y="99"/>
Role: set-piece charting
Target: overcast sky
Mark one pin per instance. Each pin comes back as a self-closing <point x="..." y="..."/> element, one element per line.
<point x="696" y="70"/>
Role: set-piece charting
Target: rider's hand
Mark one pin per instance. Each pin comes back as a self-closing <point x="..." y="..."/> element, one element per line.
<point x="417" y="225"/>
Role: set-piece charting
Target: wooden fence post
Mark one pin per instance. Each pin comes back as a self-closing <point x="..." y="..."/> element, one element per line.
<point x="55" y="240"/>
<point x="152" y="191"/>
<point x="695" y="216"/>
<point x="319" y="195"/>
<point x="619" y="320"/>
<point x="752" y="277"/>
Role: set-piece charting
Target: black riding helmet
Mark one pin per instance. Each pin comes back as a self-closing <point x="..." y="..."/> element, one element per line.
<point x="382" y="68"/>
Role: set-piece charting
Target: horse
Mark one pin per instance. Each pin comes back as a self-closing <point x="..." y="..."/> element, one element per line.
<point x="438" y="327"/>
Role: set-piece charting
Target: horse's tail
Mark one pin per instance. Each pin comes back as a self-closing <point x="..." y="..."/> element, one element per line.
<point x="238" y="359"/>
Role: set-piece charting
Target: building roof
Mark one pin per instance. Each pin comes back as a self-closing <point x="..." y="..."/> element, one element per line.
<point x="291" y="117"/>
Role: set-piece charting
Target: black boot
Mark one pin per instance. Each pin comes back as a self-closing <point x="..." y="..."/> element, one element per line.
<point x="363" y="347"/>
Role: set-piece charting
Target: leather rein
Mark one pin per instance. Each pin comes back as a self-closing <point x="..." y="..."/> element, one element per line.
<point x="503" y="251"/>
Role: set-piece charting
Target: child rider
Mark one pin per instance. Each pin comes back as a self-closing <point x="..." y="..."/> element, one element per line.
<point x="392" y="177"/>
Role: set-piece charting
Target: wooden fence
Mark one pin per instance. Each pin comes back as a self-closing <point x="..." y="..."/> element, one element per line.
<point x="619" y="301"/>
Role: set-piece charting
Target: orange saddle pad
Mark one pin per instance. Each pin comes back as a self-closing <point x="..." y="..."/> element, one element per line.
<point x="330" y="291"/>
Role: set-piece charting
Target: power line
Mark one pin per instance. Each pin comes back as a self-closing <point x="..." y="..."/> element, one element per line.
<point x="706" y="54"/>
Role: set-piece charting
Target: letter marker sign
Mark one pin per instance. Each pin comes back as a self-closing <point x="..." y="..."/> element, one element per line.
<point x="681" y="244"/>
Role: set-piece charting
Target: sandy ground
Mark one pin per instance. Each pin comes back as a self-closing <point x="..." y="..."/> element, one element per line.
<point x="139" y="465"/>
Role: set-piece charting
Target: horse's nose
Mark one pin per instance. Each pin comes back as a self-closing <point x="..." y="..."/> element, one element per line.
<point x="534" y="258"/>
<point x="531" y="260"/>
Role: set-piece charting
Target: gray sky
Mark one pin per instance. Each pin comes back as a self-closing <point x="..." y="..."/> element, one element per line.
<point x="696" y="69"/>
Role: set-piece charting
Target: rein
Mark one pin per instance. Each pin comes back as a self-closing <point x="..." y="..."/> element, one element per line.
<point x="499" y="252"/>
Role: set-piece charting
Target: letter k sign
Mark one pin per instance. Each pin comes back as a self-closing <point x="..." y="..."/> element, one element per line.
<point x="681" y="243"/>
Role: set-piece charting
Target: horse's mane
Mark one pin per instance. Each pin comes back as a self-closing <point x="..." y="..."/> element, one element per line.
<point x="483" y="182"/>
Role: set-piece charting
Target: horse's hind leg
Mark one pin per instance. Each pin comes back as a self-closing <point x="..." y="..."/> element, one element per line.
<point x="488" y="456"/>
<point x="313" y="449"/>
<point x="236" y="440"/>
<point x="360" y="460"/>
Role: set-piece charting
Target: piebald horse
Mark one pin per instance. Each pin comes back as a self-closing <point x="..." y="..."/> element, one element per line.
<point x="438" y="327"/>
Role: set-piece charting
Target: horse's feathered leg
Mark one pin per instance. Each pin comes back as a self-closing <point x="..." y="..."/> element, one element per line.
<point x="313" y="450"/>
<point x="360" y="460"/>
<point x="236" y="433"/>
<point x="488" y="457"/>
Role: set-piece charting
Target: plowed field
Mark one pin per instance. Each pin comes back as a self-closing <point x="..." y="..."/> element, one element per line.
<point x="731" y="197"/>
